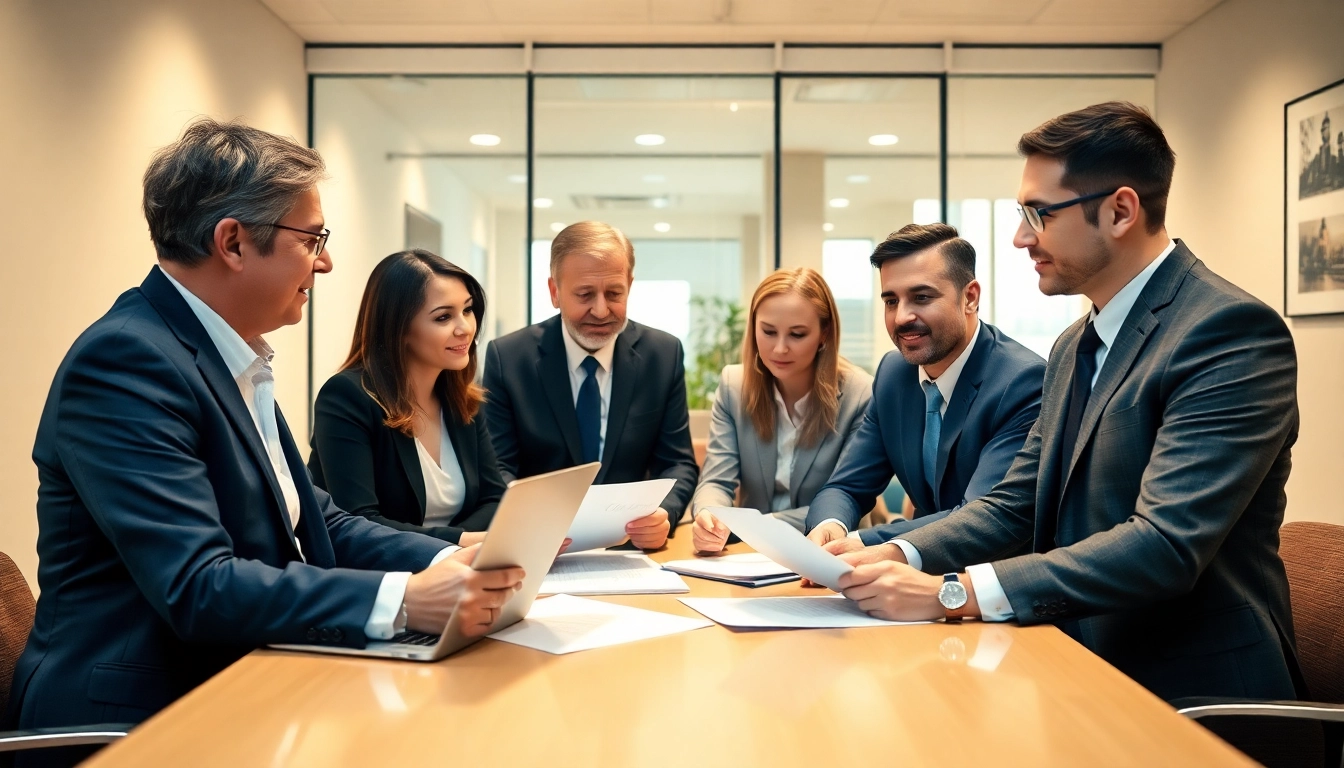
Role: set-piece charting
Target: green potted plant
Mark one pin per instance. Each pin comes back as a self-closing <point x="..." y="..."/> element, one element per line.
<point x="717" y="337"/>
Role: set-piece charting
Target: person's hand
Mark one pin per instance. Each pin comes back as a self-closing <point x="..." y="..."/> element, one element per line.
<point x="471" y="538"/>
<point x="564" y="545"/>
<point x="709" y="534"/>
<point x="843" y="545"/>
<point x="433" y="594"/>
<point x="650" y="531"/>
<point x="826" y="533"/>
<point x="894" y="591"/>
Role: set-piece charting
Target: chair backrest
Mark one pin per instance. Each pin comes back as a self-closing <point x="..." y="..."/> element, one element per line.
<point x="1313" y="554"/>
<point x="17" y="608"/>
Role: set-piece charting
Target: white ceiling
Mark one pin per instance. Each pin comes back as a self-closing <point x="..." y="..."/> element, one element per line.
<point x="702" y="21"/>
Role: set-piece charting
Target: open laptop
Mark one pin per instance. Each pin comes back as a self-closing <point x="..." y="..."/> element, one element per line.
<point x="528" y="528"/>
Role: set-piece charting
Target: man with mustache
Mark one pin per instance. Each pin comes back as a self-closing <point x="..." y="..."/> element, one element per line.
<point x="948" y="412"/>
<point x="1151" y="490"/>
<point x="589" y="385"/>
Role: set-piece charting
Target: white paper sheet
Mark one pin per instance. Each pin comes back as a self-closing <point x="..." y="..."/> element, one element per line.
<point x="748" y="565"/>
<point x="786" y="612"/>
<point x="610" y="573"/>
<point x="564" y="624"/>
<point x="607" y="508"/>
<point x="784" y="544"/>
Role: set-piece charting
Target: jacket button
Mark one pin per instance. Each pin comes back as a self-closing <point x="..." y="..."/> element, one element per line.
<point x="312" y="635"/>
<point x="326" y="635"/>
<point x="1038" y="610"/>
<point x="337" y="635"/>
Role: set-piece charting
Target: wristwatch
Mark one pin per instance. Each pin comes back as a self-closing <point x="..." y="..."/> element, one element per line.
<point x="952" y="594"/>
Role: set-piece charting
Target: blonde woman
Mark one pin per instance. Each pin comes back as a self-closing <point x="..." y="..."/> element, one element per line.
<point x="781" y="418"/>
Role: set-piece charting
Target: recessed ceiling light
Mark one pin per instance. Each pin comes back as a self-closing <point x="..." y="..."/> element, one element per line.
<point x="517" y="178"/>
<point x="883" y="140"/>
<point x="839" y="202"/>
<point x="543" y="202"/>
<point x="484" y="140"/>
<point x="732" y="107"/>
<point x="857" y="178"/>
<point x="662" y="226"/>
<point x="649" y="139"/>
<point x="654" y="178"/>
<point x="556" y="226"/>
<point x="660" y="202"/>
<point x="827" y="227"/>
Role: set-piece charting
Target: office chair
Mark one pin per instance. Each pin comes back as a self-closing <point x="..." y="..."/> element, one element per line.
<point x="1297" y="732"/>
<point x="17" y="609"/>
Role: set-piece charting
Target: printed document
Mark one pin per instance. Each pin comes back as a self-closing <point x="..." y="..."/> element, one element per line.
<point x="830" y="612"/>
<point x="564" y="624"/>
<point x="784" y="544"/>
<point x="607" y="508"/>
<point x="610" y="573"/>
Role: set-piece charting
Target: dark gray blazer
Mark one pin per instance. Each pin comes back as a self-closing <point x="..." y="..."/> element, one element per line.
<point x="991" y="411"/>
<point x="1166" y="558"/>
<point x="737" y="455"/>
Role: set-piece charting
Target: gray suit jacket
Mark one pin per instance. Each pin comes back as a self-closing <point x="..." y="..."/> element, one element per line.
<point x="736" y="453"/>
<point x="1165" y="560"/>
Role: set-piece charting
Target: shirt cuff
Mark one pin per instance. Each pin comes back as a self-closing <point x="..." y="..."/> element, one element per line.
<point x="832" y="520"/>
<point x="386" y="606"/>
<point x="391" y="594"/>
<point x="994" y="605"/>
<point x="912" y="555"/>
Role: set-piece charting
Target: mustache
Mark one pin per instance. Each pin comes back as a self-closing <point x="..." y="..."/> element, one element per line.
<point x="915" y="327"/>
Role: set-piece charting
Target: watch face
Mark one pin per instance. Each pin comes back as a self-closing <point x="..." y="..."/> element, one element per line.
<point x="952" y="595"/>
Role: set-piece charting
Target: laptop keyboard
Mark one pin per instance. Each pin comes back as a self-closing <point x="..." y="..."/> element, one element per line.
<point x="415" y="638"/>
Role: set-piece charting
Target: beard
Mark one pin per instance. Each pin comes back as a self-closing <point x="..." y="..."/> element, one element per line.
<point x="937" y="348"/>
<point x="1073" y="273"/>
<point x="589" y="342"/>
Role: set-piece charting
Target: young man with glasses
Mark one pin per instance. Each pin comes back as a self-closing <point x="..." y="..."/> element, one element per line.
<point x="177" y="526"/>
<point x="1151" y="490"/>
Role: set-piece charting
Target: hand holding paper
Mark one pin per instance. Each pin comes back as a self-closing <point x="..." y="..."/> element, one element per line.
<point x="780" y="542"/>
<point x="606" y="510"/>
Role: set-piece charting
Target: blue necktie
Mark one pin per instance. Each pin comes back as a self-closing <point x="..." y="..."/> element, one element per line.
<point x="933" y="430"/>
<point x="589" y="410"/>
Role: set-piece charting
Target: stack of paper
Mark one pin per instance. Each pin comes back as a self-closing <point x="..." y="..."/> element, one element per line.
<point x="564" y="624"/>
<point x="782" y="543"/>
<point x="609" y="573"/>
<point x="786" y="612"/>
<point x="751" y="569"/>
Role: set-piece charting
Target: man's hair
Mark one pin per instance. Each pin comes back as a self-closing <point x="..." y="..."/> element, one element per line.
<point x="958" y="254"/>
<point x="1106" y="146"/>
<point x="592" y="237"/>
<point x="218" y="171"/>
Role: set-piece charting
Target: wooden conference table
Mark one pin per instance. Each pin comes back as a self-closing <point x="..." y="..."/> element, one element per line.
<point x="934" y="694"/>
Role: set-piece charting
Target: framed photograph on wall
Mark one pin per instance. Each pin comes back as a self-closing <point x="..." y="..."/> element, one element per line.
<point x="1313" y="144"/>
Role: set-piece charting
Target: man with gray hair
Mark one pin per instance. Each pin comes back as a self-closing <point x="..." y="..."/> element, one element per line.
<point x="178" y="527"/>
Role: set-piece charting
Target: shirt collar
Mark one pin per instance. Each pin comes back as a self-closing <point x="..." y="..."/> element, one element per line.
<point x="948" y="381"/>
<point x="576" y="354"/>
<point x="799" y="408"/>
<point x="1107" y="322"/>
<point x="238" y="354"/>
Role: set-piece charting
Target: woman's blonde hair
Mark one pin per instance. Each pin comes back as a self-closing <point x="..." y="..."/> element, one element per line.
<point x="828" y="369"/>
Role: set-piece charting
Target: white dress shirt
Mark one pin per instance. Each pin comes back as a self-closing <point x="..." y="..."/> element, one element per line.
<point x="445" y="487"/>
<point x="947" y="384"/>
<point x="249" y="364"/>
<point x="575" y="355"/>
<point x="994" y="605"/>
<point x="786" y="439"/>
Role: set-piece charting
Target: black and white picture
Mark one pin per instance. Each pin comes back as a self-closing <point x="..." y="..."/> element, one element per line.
<point x="1313" y="267"/>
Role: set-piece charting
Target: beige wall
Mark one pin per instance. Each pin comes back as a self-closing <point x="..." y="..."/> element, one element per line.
<point x="1220" y="97"/>
<point x="90" y="88"/>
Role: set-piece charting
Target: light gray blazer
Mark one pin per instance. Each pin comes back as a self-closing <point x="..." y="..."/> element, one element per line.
<point x="736" y="454"/>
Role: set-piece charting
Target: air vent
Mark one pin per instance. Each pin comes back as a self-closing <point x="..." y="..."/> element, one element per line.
<point x="623" y="202"/>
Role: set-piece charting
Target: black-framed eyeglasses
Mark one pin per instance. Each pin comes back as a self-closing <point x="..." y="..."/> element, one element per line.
<point x="321" y="236"/>
<point x="1035" y="217"/>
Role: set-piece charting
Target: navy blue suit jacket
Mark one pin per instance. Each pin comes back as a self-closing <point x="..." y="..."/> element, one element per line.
<point x="992" y="408"/>
<point x="529" y="409"/>
<point x="164" y="553"/>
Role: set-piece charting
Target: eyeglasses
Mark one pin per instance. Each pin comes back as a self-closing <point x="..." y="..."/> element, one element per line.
<point x="321" y="236"/>
<point x="1035" y="217"/>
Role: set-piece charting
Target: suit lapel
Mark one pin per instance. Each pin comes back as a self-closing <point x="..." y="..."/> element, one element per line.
<point x="954" y="419"/>
<point x="178" y="315"/>
<point x="553" y="376"/>
<point x="768" y="458"/>
<point x="317" y="549"/>
<point x="625" y="368"/>
<point x="464" y="448"/>
<point x="409" y="458"/>
<point x="1054" y="407"/>
<point x="912" y="409"/>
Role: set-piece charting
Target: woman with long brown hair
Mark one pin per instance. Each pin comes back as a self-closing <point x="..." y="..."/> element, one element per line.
<point x="398" y="436"/>
<point x="782" y="417"/>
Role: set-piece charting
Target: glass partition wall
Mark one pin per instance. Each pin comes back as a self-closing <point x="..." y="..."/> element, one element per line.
<point x="692" y="168"/>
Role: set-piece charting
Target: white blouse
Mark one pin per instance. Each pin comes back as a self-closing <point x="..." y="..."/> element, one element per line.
<point x="445" y="487"/>
<point x="786" y="440"/>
